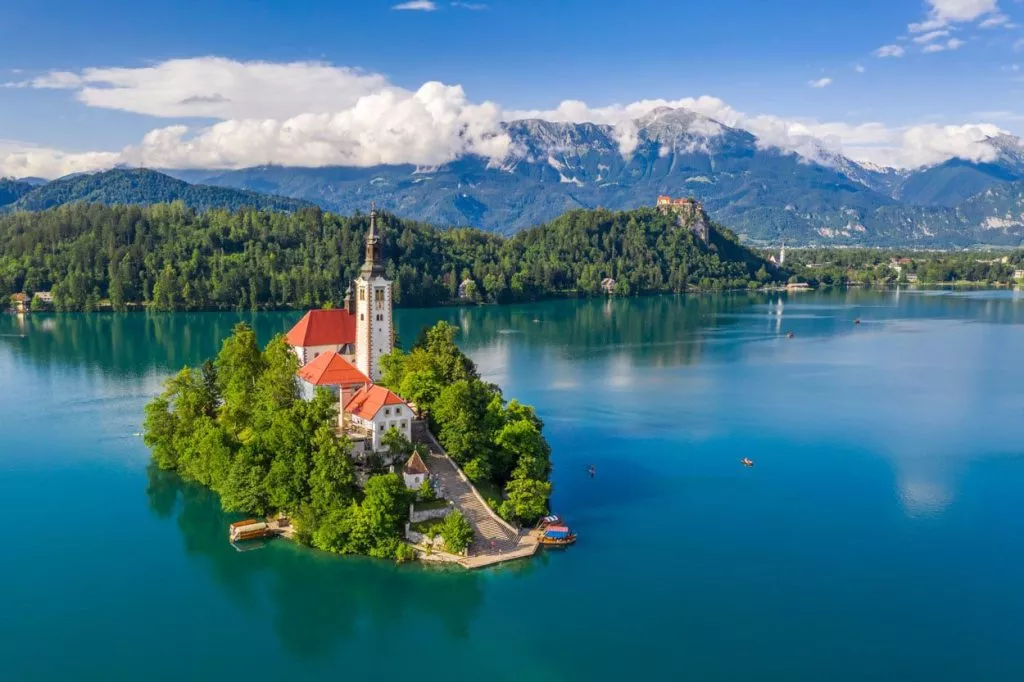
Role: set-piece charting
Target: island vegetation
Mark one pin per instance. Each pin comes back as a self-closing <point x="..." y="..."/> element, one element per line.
<point x="169" y="257"/>
<point x="238" y="426"/>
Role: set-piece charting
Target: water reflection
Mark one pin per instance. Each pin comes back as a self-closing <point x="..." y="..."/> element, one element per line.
<point x="318" y="601"/>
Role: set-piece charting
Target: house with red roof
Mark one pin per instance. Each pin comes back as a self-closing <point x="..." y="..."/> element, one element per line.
<point x="332" y="371"/>
<point x="414" y="472"/>
<point x="371" y="412"/>
<point x="322" y="331"/>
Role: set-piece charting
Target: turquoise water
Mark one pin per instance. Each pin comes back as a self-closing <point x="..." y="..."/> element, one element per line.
<point x="879" y="536"/>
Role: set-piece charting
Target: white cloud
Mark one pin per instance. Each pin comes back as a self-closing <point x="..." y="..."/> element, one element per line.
<point x="951" y="44"/>
<point x="21" y="160"/>
<point x="417" y="5"/>
<point x="945" y="12"/>
<point x="930" y="36"/>
<point x="996" y="20"/>
<point x="214" y="87"/>
<point x="890" y="51"/>
<point x="314" y="114"/>
<point x="475" y="6"/>
<point x="859" y="68"/>
<point x="820" y="83"/>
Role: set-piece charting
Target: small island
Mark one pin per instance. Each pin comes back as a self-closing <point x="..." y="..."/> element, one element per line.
<point x="333" y="428"/>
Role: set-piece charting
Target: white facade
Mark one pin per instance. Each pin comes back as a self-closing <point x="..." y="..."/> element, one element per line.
<point x="398" y="416"/>
<point x="374" y="335"/>
<point x="308" y="353"/>
<point x="413" y="481"/>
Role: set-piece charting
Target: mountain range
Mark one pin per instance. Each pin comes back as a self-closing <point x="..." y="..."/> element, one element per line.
<point x="765" y="194"/>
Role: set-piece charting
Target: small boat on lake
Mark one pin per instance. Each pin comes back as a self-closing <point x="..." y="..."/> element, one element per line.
<point x="249" y="529"/>
<point x="552" y="520"/>
<point x="557" y="536"/>
<point x="747" y="462"/>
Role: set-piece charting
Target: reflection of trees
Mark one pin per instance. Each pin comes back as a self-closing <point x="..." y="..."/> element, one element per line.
<point x="318" y="600"/>
<point x="130" y="344"/>
<point x="664" y="330"/>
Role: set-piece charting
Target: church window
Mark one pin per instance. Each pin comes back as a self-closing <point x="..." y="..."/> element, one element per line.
<point x="362" y="294"/>
<point x="379" y="295"/>
<point x="360" y="316"/>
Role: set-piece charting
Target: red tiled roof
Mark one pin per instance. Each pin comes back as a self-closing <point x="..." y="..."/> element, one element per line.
<point x="330" y="369"/>
<point x="368" y="400"/>
<point x="415" y="465"/>
<point x="324" y="328"/>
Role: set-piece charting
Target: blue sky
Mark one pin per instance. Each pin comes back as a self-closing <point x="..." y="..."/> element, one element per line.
<point x="956" y="65"/>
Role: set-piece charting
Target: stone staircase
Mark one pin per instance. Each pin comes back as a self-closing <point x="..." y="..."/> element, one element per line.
<point x="491" y="534"/>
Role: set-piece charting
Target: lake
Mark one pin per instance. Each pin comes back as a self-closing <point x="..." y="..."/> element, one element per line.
<point x="879" y="536"/>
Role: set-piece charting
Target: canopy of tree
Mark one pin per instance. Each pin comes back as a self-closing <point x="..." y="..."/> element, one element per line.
<point x="238" y="426"/>
<point x="171" y="257"/>
<point x="839" y="267"/>
<point x="490" y="439"/>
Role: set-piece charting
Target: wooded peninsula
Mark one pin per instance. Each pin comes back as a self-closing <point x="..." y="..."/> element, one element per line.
<point x="169" y="257"/>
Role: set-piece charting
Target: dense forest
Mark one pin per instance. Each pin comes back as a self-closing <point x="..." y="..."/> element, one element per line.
<point x="142" y="187"/>
<point x="841" y="267"/>
<point x="11" y="190"/>
<point x="172" y="257"/>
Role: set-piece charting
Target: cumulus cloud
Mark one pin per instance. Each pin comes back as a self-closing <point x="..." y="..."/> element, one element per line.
<point x="945" y="12"/>
<point x="314" y="114"/>
<point x="21" y="160"/>
<point x="820" y="83"/>
<point x="890" y="51"/>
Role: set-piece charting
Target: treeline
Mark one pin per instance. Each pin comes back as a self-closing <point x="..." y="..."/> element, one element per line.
<point x="143" y="187"/>
<point x="170" y="257"/>
<point x="839" y="267"/>
<point x="490" y="439"/>
<point x="239" y="427"/>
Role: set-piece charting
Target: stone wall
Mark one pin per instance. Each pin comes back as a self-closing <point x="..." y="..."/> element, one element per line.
<point x="427" y="514"/>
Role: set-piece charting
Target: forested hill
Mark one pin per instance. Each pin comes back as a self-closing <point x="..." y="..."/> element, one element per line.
<point x="141" y="186"/>
<point x="171" y="257"/>
<point x="11" y="190"/>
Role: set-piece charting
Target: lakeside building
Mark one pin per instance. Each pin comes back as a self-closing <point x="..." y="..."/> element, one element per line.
<point x="341" y="350"/>
<point x="334" y="372"/>
<point x="323" y="331"/>
<point x="371" y="412"/>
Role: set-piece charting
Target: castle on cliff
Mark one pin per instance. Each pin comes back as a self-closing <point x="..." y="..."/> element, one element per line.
<point x="689" y="213"/>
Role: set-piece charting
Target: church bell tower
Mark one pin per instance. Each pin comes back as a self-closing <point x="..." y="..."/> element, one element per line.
<point x="374" y="334"/>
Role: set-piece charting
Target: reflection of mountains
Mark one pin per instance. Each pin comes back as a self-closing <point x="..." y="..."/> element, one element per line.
<point x="318" y="600"/>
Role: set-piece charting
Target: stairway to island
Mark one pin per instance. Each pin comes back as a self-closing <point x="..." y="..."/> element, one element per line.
<point x="494" y="539"/>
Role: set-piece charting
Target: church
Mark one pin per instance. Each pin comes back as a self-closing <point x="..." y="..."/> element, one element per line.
<point x="341" y="351"/>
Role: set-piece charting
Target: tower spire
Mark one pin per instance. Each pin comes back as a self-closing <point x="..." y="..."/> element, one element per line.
<point x="372" y="266"/>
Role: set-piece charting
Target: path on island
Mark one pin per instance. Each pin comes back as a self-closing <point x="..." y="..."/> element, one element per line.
<point x="494" y="540"/>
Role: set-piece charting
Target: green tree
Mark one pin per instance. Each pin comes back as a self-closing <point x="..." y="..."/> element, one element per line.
<point x="456" y="532"/>
<point x="527" y="500"/>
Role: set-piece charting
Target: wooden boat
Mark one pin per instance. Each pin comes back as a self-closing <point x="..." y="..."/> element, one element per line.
<point x="249" y="529"/>
<point x="553" y="520"/>
<point x="747" y="462"/>
<point x="557" y="536"/>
